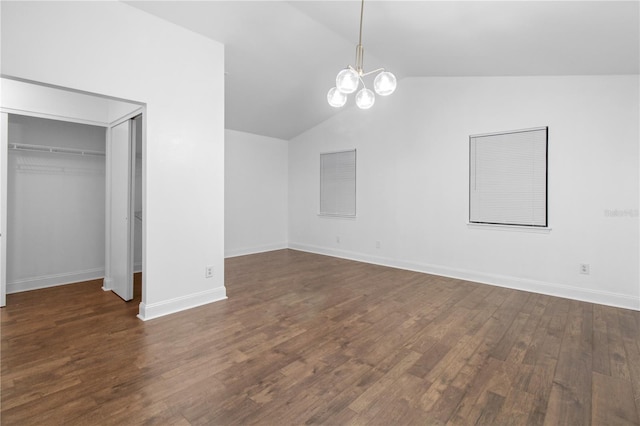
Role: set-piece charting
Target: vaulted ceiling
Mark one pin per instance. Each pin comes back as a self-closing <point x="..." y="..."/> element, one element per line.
<point x="281" y="57"/>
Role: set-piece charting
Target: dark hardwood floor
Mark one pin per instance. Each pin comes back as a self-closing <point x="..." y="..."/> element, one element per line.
<point x="308" y="339"/>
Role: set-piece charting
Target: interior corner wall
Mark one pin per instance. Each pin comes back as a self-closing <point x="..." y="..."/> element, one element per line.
<point x="256" y="193"/>
<point x="413" y="174"/>
<point x="112" y="49"/>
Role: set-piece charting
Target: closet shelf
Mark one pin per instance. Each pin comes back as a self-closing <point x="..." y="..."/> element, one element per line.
<point x="54" y="149"/>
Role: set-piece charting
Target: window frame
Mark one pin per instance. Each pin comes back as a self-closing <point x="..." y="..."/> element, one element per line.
<point x="355" y="184"/>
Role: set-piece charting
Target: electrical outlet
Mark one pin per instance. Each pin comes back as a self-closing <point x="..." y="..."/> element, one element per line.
<point x="208" y="272"/>
<point x="377" y="244"/>
<point x="584" y="268"/>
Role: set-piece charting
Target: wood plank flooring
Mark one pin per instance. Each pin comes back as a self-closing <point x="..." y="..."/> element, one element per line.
<point x="308" y="339"/>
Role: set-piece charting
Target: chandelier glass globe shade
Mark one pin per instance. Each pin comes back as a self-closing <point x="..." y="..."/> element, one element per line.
<point x="365" y="99"/>
<point x="336" y="98"/>
<point x="347" y="81"/>
<point x="385" y="83"/>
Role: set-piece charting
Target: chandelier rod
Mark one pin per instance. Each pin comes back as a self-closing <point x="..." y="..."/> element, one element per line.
<point x="361" y="15"/>
<point x="359" y="48"/>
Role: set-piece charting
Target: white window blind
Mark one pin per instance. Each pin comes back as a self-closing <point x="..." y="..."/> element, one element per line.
<point x="338" y="183"/>
<point x="508" y="178"/>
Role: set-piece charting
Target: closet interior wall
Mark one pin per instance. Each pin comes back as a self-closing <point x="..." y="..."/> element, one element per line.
<point x="56" y="203"/>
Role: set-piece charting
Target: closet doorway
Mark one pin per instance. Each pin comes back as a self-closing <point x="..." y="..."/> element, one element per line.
<point x="23" y="102"/>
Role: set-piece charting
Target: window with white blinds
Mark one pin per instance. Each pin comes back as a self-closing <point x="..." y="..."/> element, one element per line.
<point x="338" y="183"/>
<point x="508" y="178"/>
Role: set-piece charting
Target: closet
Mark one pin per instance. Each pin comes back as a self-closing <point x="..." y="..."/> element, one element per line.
<point x="71" y="188"/>
<point x="55" y="202"/>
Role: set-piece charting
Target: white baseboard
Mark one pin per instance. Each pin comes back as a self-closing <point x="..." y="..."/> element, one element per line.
<point x="551" y="289"/>
<point x="254" y="250"/>
<point x="106" y="284"/>
<point x="35" y="283"/>
<point x="155" y="310"/>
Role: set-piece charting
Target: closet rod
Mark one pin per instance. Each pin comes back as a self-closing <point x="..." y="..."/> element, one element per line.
<point x="53" y="149"/>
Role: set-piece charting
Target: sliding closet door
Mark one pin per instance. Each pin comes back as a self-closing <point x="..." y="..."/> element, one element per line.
<point x="120" y="211"/>
<point x="4" y="141"/>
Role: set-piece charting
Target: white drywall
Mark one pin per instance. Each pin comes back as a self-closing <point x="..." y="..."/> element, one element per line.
<point x="256" y="187"/>
<point x="412" y="183"/>
<point x="112" y="49"/>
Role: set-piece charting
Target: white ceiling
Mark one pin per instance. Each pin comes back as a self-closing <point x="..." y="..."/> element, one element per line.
<point x="281" y="57"/>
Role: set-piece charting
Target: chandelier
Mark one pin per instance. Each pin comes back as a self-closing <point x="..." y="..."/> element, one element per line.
<point x="349" y="79"/>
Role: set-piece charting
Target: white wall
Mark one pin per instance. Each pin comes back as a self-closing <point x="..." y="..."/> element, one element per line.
<point x="256" y="188"/>
<point x="412" y="188"/>
<point x="55" y="219"/>
<point x="113" y="49"/>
